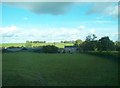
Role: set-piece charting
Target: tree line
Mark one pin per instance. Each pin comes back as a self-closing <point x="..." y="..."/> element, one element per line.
<point x="103" y="44"/>
<point x="35" y="41"/>
<point x="90" y="44"/>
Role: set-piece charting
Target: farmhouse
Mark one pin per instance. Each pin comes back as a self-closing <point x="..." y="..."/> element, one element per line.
<point x="60" y="50"/>
<point x="70" y="49"/>
<point x="14" y="49"/>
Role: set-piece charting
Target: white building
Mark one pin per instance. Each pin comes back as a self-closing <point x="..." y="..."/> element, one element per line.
<point x="70" y="49"/>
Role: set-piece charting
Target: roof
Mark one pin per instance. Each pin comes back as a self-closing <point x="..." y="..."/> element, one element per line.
<point x="70" y="47"/>
<point x="14" y="49"/>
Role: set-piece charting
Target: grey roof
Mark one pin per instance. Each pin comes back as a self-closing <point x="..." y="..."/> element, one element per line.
<point x="70" y="47"/>
<point x="14" y="49"/>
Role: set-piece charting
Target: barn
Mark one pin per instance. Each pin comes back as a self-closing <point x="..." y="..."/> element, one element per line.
<point x="70" y="49"/>
<point x="15" y="49"/>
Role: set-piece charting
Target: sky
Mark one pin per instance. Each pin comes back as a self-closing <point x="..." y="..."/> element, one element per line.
<point x="57" y="21"/>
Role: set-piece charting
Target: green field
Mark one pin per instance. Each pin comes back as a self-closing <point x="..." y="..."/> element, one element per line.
<point x="34" y="69"/>
<point x="60" y="45"/>
<point x="12" y="44"/>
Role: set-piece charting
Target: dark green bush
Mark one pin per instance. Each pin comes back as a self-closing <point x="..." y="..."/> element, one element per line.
<point x="50" y="49"/>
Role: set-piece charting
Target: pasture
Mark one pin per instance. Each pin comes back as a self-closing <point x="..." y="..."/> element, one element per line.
<point x="34" y="69"/>
<point x="59" y="45"/>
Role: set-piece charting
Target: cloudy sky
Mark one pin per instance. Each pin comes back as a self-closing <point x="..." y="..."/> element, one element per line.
<point x="56" y="21"/>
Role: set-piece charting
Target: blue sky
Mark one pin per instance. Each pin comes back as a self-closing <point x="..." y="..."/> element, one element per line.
<point x="58" y="21"/>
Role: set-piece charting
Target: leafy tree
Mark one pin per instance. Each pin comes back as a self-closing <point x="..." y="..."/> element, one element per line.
<point x="89" y="45"/>
<point x="88" y="38"/>
<point x="62" y="41"/>
<point x="91" y="37"/>
<point x="105" y="44"/>
<point x="44" y="41"/>
<point x="117" y="45"/>
<point x="28" y="44"/>
<point x="67" y="41"/>
<point x="78" y="42"/>
<point x="94" y="37"/>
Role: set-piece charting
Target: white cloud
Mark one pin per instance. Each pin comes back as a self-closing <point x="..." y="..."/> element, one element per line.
<point x="17" y="34"/>
<point x="81" y="27"/>
<point x="92" y="31"/>
<point x="115" y="34"/>
<point x="8" y="31"/>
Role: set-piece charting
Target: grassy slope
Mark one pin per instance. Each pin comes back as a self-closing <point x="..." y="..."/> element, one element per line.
<point x="60" y="45"/>
<point x="58" y="69"/>
<point x="12" y="44"/>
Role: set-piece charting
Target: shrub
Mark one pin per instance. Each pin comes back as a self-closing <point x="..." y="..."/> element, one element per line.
<point x="50" y="49"/>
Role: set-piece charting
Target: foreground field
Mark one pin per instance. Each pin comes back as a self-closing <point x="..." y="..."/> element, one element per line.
<point x="34" y="69"/>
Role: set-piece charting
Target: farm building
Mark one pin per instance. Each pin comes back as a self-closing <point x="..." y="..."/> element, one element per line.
<point x="70" y="49"/>
<point x="14" y="49"/>
<point x="60" y="50"/>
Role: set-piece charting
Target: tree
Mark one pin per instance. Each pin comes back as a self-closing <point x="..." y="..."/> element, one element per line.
<point x="105" y="44"/>
<point x="90" y="44"/>
<point x="78" y="42"/>
<point x="62" y="41"/>
<point x="67" y="41"/>
<point x="117" y="45"/>
<point x="91" y="37"/>
<point x="44" y="42"/>
<point x="88" y="38"/>
<point x="28" y="44"/>
<point x="50" y="49"/>
<point x="94" y="37"/>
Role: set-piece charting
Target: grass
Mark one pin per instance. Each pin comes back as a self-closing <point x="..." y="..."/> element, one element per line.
<point x="12" y="44"/>
<point x="34" y="69"/>
<point x="60" y="45"/>
<point x="107" y="54"/>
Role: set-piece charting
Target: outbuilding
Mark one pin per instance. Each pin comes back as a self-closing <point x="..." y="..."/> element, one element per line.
<point x="70" y="49"/>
